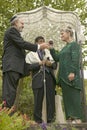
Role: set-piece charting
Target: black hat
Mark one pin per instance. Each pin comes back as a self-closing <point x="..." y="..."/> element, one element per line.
<point x="13" y="18"/>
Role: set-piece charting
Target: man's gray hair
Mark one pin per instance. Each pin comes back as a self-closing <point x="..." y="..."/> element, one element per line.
<point x="13" y="19"/>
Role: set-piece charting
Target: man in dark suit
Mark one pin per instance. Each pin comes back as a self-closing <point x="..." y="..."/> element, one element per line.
<point x="13" y="60"/>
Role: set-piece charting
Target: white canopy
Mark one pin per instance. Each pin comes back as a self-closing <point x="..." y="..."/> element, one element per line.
<point x="47" y="22"/>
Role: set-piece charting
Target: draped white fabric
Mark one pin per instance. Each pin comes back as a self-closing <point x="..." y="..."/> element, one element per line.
<point x="47" y="22"/>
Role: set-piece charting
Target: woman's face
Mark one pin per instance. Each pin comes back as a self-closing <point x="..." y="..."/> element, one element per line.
<point x="64" y="36"/>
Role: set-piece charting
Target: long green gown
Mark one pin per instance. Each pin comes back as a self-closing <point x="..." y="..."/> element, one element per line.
<point x="69" y="62"/>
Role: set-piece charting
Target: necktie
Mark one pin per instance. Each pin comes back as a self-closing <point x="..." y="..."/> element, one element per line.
<point x="41" y="54"/>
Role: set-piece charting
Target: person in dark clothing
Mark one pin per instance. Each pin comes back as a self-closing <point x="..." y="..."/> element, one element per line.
<point x="13" y="60"/>
<point x="44" y="73"/>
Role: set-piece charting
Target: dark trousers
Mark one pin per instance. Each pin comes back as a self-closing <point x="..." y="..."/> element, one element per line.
<point x="50" y="99"/>
<point x="9" y="88"/>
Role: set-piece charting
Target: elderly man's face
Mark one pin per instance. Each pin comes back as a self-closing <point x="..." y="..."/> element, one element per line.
<point x="19" y="24"/>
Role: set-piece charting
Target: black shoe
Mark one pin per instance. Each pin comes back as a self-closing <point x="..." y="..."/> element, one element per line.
<point x="49" y="121"/>
<point x="39" y="122"/>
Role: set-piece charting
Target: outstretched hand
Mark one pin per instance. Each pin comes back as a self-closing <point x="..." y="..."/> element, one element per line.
<point x="44" y="46"/>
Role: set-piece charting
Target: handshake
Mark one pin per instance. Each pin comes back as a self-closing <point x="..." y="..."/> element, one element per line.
<point x="46" y="45"/>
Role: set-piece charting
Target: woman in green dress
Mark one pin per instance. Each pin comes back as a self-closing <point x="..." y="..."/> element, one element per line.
<point x="69" y="75"/>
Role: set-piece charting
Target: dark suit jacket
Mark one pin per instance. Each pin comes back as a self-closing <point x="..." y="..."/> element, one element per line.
<point x="14" y="51"/>
<point x="38" y="76"/>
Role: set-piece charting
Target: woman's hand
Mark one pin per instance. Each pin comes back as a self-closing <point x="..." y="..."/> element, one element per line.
<point x="71" y="76"/>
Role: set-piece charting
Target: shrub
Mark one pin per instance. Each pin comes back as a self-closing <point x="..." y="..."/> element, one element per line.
<point x="26" y="100"/>
<point x="10" y="123"/>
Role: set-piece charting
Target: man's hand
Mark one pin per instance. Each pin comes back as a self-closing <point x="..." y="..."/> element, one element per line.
<point x="45" y="62"/>
<point x="42" y="62"/>
<point x="48" y="63"/>
<point x="44" y="45"/>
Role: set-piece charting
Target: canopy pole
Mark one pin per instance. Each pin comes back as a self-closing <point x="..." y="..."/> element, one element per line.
<point x="42" y="1"/>
<point x="83" y="96"/>
<point x="84" y="106"/>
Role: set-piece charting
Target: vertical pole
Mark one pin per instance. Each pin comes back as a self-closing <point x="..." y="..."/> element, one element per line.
<point x="44" y="108"/>
<point x="42" y="2"/>
<point x="83" y="96"/>
<point x="84" y="106"/>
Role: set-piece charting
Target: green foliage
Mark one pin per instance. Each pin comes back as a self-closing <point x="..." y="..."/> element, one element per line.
<point x="10" y="123"/>
<point x="26" y="101"/>
<point x="8" y="8"/>
<point x="18" y="122"/>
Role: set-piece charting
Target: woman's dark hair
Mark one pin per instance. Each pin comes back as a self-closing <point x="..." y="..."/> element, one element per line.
<point x="38" y="38"/>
